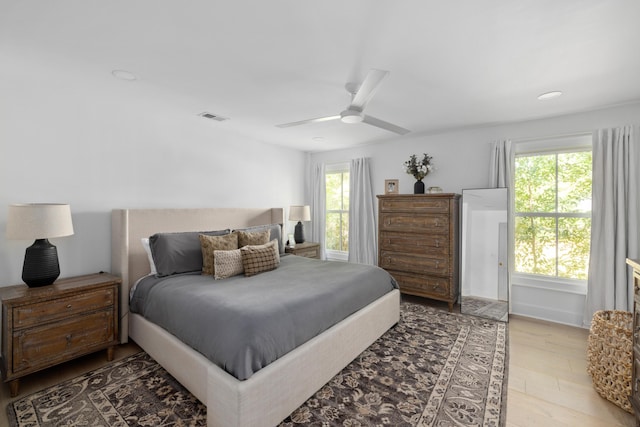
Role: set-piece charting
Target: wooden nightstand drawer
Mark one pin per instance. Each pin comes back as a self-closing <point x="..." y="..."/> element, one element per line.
<point x="306" y="249"/>
<point x="44" y="326"/>
<point x="45" y="345"/>
<point x="35" y="314"/>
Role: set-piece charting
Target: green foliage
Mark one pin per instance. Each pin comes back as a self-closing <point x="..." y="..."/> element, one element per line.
<point x="337" y="206"/>
<point x="553" y="205"/>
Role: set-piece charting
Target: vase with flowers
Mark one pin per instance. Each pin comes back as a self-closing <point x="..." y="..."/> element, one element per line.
<point x="419" y="169"/>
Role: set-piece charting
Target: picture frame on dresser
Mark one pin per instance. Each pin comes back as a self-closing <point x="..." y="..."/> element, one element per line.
<point x="391" y="186"/>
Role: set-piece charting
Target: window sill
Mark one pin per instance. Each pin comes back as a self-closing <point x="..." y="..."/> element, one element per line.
<point x="559" y="285"/>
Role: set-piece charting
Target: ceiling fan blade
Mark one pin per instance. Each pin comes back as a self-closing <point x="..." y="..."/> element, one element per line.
<point x="304" y="122"/>
<point x="368" y="88"/>
<point x="385" y="125"/>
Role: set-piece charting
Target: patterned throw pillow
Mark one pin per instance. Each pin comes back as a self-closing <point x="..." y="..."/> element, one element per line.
<point x="227" y="264"/>
<point x="252" y="237"/>
<point x="259" y="258"/>
<point x="215" y="243"/>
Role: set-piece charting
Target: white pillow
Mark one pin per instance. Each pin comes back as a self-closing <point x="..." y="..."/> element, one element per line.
<point x="227" y="264"/>
<point x="147" y="249"/>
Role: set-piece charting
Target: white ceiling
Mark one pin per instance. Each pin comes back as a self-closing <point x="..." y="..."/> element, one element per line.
<point x="261" y="63"/>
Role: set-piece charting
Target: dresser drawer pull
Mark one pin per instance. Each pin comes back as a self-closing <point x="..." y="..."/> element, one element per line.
<point x="437" y="243"/>
<point x="69" y="305"/>
<point x="68" y="337"/>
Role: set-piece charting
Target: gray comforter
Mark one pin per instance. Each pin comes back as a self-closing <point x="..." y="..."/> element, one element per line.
<point x="244" y="323"/>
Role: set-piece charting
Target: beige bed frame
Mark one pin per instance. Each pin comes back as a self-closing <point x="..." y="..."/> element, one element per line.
<point x="275" y="391"/>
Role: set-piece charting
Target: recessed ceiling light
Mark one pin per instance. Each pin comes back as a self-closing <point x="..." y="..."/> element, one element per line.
<point x="318" y="138"/>
<point x="124" y="75"/>
<point x="549" y="95"/>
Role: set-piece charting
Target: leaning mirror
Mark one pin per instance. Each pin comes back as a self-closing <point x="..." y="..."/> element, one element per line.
<point x="484" y="272"/>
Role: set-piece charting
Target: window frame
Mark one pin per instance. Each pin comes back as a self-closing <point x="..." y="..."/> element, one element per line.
<point x="547" y="146"/>
<point x="332" y="169"/>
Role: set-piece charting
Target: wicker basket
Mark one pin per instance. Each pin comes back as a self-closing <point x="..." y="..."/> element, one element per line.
<point x="609" y="356"/>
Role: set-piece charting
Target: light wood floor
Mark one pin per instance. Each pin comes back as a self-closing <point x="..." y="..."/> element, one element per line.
<point x="548" y="382"/>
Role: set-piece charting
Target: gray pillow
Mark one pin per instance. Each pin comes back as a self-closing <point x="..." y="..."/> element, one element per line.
<point x="175" y="253"/>
<point x="275" y="233"/>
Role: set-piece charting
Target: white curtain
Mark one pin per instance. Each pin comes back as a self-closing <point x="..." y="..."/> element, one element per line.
<point x="501" y="166"/>
<point x="362" y="223"/>
<point x="614" y="220"/>
<point x="318" y="198"/>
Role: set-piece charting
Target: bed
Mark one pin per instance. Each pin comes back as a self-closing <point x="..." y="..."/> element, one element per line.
<point x="271" y="393"/>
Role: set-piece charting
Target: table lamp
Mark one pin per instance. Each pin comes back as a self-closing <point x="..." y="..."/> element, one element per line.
<point x="299" y="213"/>
<point x="39" y="221"/>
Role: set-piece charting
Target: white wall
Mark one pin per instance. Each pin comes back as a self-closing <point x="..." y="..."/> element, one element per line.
<point x="462" y="161"/>
<point x="482" y="234"/>
<point x="99" y="143"/>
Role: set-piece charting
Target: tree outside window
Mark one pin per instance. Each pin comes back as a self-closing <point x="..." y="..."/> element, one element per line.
<point x="337" y="211"/>
<point x="553" y="214"/>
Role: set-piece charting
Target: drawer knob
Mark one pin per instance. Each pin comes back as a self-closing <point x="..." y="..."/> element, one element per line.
<point x="69" y="306"/>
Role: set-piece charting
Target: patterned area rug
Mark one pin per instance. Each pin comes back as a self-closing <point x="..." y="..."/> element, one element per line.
<point x="433" y="368"/>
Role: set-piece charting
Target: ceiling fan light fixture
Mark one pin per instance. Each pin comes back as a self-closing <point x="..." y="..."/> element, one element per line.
<point x="351" y="116"/>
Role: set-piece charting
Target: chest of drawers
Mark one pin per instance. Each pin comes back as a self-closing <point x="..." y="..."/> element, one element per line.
<point x="418" y="244"/>
<point x="42" y="327"/>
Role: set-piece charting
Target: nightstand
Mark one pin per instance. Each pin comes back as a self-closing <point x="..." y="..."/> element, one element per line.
<point x="306" y="249"/>
<point x="45" y="326"/>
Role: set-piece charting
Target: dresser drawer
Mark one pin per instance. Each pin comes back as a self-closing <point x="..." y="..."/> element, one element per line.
<point x="414" y="204"/>
<point x="414" y="243"/>
<point x="49" y="344"/>
<point x="414" y="223"/>
<point x="422" y="285"/>
<point x="414" y="263"/>
<point x="35" y="314"/>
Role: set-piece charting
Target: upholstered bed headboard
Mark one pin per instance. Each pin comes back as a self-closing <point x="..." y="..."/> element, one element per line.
<point x="128" y="226"/>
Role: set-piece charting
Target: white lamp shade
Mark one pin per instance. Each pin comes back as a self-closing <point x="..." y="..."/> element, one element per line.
<point x="38" y="221"/>
<point x="299" y="213"/>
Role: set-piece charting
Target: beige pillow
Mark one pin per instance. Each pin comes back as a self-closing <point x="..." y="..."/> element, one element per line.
<point x="259" y="258"/>
<point x="215" y="243"/>
<point x="227" y="264"/>
<point x="252" y="237"/>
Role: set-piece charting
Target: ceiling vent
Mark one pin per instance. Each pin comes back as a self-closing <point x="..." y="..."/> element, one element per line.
<point x="213" y="117"/>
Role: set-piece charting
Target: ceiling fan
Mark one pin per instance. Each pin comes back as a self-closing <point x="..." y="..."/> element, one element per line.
<point x="360" y="95"/>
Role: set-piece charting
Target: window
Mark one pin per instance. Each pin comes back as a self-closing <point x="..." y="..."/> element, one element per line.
<point x="553" y="211"/>
<point x="337" y="211"/>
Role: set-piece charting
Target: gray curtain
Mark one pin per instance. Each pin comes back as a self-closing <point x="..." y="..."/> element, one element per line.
<point x="363" y="248"/>
<point x="318" y="200"/>
<point x="614" y="220"/>
<point x="501" y="165"/>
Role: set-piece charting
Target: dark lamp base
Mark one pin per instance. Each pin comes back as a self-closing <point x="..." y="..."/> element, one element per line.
<point x="298" y="233"/>
<point x="41" y="266"/>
